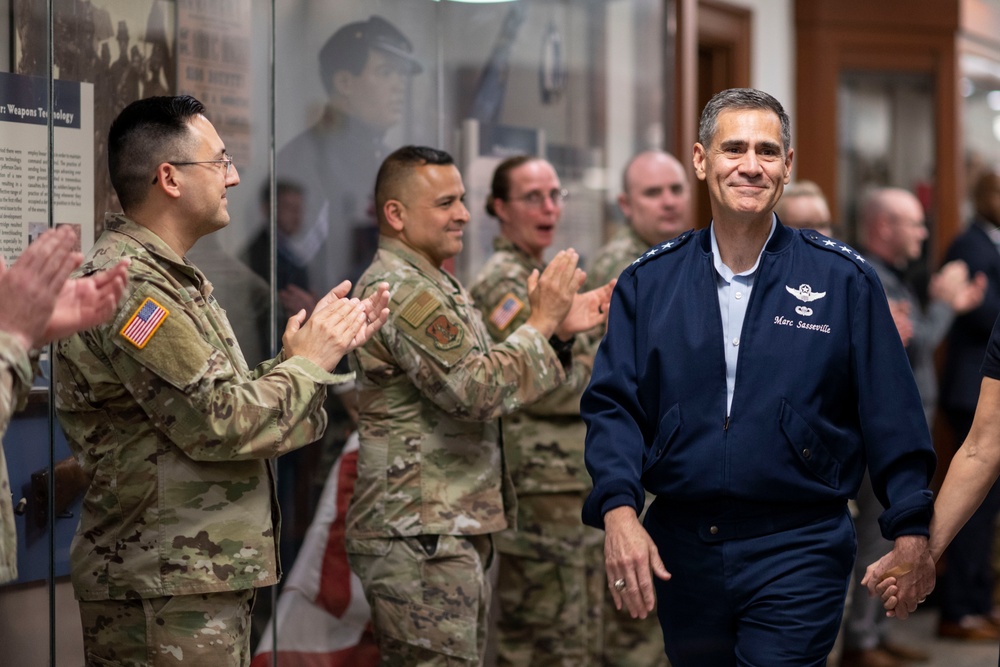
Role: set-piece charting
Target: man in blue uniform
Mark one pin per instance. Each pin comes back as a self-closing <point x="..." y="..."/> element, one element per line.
<point x="749" y="374"/>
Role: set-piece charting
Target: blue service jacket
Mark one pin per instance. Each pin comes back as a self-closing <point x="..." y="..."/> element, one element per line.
<point x="823" y="386"/>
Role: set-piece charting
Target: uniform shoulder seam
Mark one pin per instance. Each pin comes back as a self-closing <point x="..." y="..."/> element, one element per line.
<point x="661" y="249"/>
<point x="837" y="248"/>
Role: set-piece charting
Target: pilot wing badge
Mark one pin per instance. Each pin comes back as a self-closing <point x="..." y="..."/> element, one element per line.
<point x="806" y="294"/>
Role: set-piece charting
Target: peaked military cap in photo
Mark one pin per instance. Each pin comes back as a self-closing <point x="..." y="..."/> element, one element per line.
<point x="352" y="41"/>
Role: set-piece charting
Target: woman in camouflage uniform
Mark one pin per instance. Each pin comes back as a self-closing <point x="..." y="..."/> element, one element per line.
<point x="551" y="576"/>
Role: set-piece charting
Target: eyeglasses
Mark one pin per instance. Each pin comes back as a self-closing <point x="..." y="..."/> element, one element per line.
<point x="536" y="198"/>
<point x="226" y="159"/>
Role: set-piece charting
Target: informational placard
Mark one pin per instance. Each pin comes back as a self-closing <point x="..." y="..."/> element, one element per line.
<point x="213" y="64"/>
<point x="24" y="165"/>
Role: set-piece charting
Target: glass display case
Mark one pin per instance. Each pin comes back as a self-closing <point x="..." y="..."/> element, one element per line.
<point x="578" y="82"/>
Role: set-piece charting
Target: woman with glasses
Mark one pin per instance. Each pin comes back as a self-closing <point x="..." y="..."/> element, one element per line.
<point x="551" y="578"/>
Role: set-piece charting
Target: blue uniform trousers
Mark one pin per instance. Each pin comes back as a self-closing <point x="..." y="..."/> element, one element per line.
<point x="754" y="600"/>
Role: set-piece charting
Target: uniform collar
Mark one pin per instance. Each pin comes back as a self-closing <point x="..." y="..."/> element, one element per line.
<point x="419" y="262"/>
<point x="724" y="270"/>
<point x="780" y="237"/>
<point x="119" y="223"/>
<point x="503" y="244"/>
<point x="630" y="236"/>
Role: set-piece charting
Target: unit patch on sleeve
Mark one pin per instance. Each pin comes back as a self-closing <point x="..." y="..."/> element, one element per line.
<point x="445" y="334"/>
<point x="144" y="322"/>
<point x="506" y="311"/>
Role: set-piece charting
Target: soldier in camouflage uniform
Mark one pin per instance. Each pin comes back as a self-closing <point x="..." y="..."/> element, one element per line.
<point x="655" y="201"/>
<point x="432" y="484"/>
<point x="37" y="306"/>
<point x="551" y="578"/>
<point x="177" y="528"/>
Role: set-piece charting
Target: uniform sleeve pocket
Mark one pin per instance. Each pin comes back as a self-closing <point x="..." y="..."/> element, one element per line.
<point x="808" y="448"/>
<point x="667" y="430"/>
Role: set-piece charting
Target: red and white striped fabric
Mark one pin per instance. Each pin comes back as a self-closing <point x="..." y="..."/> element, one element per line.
<point x="323" y="619"/>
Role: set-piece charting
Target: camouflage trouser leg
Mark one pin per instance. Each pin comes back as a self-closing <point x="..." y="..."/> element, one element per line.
<point x="631" y="642"/>
<point x="429" y="596"/>
<point x="550" y="591"/>
<point x="201" y="630"/>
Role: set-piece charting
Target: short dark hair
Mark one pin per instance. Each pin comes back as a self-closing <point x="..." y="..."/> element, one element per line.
<point x="500" y="186"/>
<point x="395" y="168"/>
<point x="741" y="98"/>
<point x="145" y="134"/>
<point x="347" y="49"/>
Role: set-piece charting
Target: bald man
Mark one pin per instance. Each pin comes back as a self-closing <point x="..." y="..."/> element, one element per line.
<point x="892" y="221"/>
<point x="894" y="231"/>
<point x="656" y="202"/>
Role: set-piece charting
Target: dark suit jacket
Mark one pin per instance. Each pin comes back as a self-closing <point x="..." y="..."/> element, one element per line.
<point x="970" y="332"/>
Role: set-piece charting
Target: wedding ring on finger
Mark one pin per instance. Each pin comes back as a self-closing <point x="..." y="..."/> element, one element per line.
<point x="619" y="585"/>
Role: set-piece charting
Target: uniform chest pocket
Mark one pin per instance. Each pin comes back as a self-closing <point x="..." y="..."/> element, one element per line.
<point x="808" y="448"/>
<point x="666" y="432"/>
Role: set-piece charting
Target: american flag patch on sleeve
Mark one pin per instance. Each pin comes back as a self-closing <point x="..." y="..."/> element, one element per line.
<point x="144" y="323"/>
<point x="506" y="311"/>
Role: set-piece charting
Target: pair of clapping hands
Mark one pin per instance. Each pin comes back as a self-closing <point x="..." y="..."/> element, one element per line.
<point x="556" y="306"/>
<point x="39" y="303"/>
<point x="339" y="324"/>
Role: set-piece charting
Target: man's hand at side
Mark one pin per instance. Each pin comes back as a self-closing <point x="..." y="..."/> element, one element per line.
<point x="630" y="554"/>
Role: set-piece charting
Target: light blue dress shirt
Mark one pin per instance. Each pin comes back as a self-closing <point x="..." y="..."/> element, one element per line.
<point x="734" y="295"/>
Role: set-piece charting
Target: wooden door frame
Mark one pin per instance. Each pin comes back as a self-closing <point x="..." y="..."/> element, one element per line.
<point x="916" y="36"/>
<point x="724" y="32"/>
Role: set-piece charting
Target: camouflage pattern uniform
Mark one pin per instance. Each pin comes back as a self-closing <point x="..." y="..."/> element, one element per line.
<point x="15" y="382"/>
<point x="628" y="642"/>
<point x="551" y="576"/>
<point x="432" y="482"/>
<point x="175" y="433"/>
<point x="615" y="256"/>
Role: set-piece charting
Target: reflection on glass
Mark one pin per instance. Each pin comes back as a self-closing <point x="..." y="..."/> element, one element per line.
<point x="579" y="84"/>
